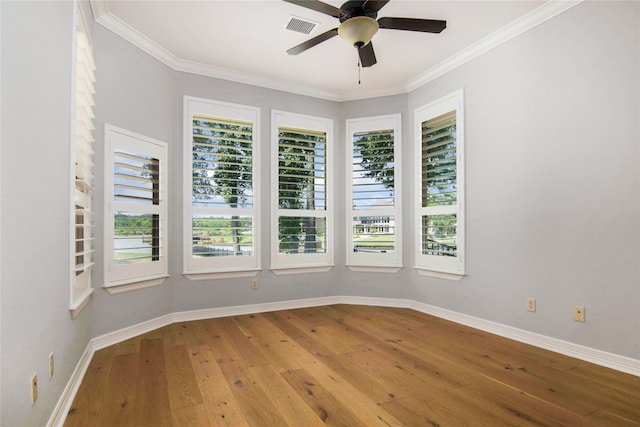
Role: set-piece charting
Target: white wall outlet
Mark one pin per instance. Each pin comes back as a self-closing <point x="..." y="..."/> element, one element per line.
<point x="578" y="313"/>
<point x="531" y="304"/>
<point x="254" y="284"/>
<point x="51" y="366"/>
<point x="34" y="388"/>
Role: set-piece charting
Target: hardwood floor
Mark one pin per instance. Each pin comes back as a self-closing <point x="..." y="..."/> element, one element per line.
<point x="344" y="365"/>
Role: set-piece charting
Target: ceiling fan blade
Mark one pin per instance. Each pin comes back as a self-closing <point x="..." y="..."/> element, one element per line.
<point x="413" y="24"/>
<point x="367" y="55"/>
<point x="374" y="5"/>
<point x="319" y="6"/>
<point x="312" y="42"/>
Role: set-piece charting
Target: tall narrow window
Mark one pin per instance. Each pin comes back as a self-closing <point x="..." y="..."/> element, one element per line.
<point x="374" y="190"/>
<point x="82" y="246"/>
<point x="136" y="211"/>
<point x="221" y="152"/>
<point x="301" y="232"/>
<point x="440" y="217"/>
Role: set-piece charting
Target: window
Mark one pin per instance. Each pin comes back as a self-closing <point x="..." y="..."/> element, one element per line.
<point x="440" y="216"/>
<point x="222" y="193"/>
<point x="82" y="246"/>
<point x="301" y="235"/>
<point x="374" y="189"/>
<point x="136" y="211"/>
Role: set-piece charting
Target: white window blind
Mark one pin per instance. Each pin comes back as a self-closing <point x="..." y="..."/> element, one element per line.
<point x="223" y="196"/>
<point x="301" y="150"/>
<point x="135" y="228"/>
<point x="82" y="155"/>
<point x="136" y="235"/>
<point x="374" y="189"/>
<point x="441" y="214"/>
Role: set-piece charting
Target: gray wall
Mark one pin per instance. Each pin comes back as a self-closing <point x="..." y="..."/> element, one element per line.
<point x="134" y="92"/>
<point x="552" y="188"/>
<point x="36" y="105"/>
<point x="553" y="191"/>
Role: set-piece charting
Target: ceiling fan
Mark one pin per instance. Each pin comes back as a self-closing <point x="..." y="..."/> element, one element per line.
<point x="358" y="25"/>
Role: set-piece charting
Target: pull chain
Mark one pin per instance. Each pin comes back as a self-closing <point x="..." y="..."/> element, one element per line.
<point x="359" y="67"/>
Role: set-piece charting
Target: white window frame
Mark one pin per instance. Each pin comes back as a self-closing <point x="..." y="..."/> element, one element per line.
<point x="282" y="263"/>
<point x="451" y="268"/>
<point x="127" y="277"/>
<point x="82" y="90"/>
<point x="378" y="262"/>
<point x="219" y="267"/>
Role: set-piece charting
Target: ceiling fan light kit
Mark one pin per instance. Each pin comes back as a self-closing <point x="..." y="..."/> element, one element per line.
<point x="359" y="25"/>
<point x="359" y="30"/>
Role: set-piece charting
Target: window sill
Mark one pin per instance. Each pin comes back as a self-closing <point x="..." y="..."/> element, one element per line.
<point x="373" y="269"/>
<point x="80" y="302"/>
<point x="221" y="275"/>
<point x="455" y="277"/>
<point x="115" y="289"/>
<point x="301" y="270"/>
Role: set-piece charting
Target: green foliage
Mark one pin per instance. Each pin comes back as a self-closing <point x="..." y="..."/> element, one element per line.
<point x="133" y="225"/>
<point x="376" y="149"/>
<point x="222" y="162"/>
<point x="296" y="154"/>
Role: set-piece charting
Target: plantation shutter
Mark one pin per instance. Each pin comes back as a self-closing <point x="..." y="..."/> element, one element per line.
<point x="135" y="210"/>
<point x="83" y="154"/>
<point x="439" y="168"/>
<point x="373" y="210"/>
<point x="440" y="219"/>
<point x="439" y="185"/>
<point x="222" y="187"/>
<point x="302" y="169"/>
<point x="373" y="170"/>
<point x="136" y="181"/>
<point x="222" y="162"/>
<point x="302" y="172"/>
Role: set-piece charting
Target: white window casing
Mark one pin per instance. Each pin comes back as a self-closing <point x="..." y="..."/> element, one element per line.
<point x="374" y="188"/>
<point x="440" y="212"/>
<point x="135" y="225"/>
<point x="222" y="189"/>
<point x="301" y="193"/>
<point x="81" y="153"/>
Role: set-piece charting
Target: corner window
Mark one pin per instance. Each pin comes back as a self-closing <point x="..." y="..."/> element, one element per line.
<point x="301" y="238"/>
<point x="222" y="194"/>
<point x="373" y="190"/>
<point x="136" y="211"/>
<point x="440" y="163"/>
<point x="82" y="236"/>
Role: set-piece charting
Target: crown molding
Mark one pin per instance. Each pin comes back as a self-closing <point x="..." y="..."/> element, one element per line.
<point x="536" y="17"/>
<point x="532" y="19"/>
<point x="102" y="16"/>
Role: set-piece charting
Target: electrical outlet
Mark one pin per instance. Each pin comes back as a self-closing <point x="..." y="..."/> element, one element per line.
<point x="531" y="304"/>
<point x="254" y="284"/>
<point x="51" y="366"/>
<point x="34" y="388"/>
<point x="578" y="313"/>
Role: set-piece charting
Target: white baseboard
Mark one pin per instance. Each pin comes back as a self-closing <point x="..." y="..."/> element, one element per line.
<point x="598" y="357"/>
<point x="61" y="410"/>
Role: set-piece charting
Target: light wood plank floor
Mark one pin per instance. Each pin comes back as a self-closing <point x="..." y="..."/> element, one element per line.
<point x="344" y="365"/>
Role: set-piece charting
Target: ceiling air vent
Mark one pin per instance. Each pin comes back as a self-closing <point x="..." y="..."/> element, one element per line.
<point x="300" y="25"/>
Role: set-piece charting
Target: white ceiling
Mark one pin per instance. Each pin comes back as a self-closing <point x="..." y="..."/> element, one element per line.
<point x="246" y="41"/>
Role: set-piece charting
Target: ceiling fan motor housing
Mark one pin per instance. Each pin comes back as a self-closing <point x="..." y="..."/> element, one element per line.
<point x="354" y="8"/>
